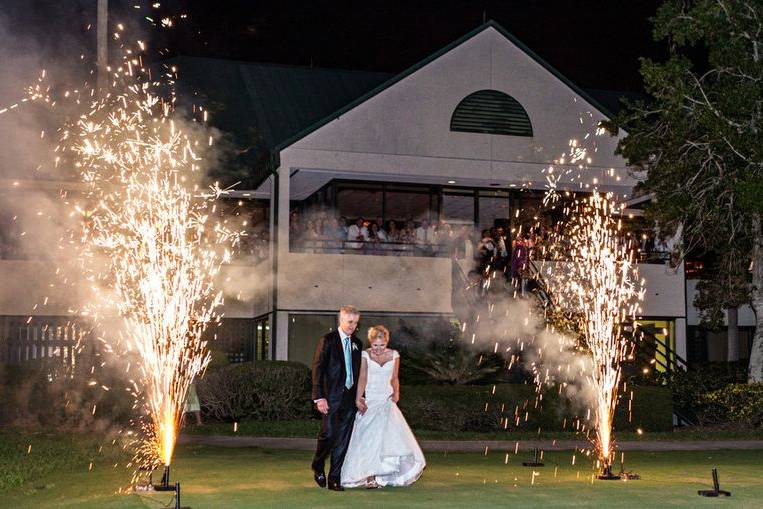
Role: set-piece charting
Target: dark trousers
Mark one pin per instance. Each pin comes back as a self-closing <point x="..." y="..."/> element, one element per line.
<point x="334" y="436"/>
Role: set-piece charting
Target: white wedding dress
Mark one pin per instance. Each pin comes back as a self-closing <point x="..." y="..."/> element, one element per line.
<point x="382" y="444"/>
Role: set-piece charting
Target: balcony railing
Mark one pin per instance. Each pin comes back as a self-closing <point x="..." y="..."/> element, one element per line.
<point x="368" y="247"/>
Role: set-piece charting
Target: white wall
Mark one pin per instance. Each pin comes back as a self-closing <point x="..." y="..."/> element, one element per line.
<point x="746" y="316"/>
<point x="325" y="282"/>
<point x="405" y="129"/>
<point x="26" y="283"/>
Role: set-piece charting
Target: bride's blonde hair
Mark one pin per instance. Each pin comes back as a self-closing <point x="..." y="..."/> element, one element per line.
<point x="375" y="331"/>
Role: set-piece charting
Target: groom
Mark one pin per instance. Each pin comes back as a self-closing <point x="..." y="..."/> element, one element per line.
<point x="336" y="366"/>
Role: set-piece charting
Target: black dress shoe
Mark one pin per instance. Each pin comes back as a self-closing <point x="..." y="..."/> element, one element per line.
<point x="320" y="479"/>
<point x="335" y="486"/>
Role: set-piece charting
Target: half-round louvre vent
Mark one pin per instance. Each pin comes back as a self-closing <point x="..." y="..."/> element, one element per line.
<point x="491" y="112"/>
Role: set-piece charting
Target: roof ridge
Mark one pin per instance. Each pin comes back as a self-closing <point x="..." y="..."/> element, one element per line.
<point x="434" y="56"/>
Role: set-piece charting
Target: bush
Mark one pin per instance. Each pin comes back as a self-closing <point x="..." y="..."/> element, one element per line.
<point x="740" y="404"/>
<point x="46" y="392"/>
<point x="264" y="390"/>
<point x="690" y="387"/>
<point x="479" y="409"/>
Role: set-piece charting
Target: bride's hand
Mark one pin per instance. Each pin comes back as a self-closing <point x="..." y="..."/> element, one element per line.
<point x="361" y="404"/>
<point x="395" y="398"/>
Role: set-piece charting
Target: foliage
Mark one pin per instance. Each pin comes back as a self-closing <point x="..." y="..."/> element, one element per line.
<point x="264" y="390"/>
<point x="46" y="392"/>
<point x="690" y="387"/>
<point x="442" y="357"/>
<point x="700" y="139"/>
<point x="481" y="409"/>
<point x="454" y="364"/>
<point x="735" y="403"/>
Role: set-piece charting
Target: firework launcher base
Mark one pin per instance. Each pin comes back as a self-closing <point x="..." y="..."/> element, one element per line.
<point x="535" y="459"/>
<point x="165" y="485"/>
<point x="607" y="475"/>
<point x="716" y="491"/>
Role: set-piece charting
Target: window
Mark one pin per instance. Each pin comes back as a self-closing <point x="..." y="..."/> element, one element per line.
<point x="262" y="339"/>
<point x="458" y="208"/>
<point x="493" y="209"/>
<point x="402" y="205"/>
<point x="305" y="329"/>
<point x="491" y="112"/>
<point x="359" y="201"/>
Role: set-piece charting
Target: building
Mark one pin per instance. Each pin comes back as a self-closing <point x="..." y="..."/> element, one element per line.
<point x="463" y="137"/>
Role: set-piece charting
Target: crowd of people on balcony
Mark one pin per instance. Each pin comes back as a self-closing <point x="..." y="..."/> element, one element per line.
<point x="323" y="232"/>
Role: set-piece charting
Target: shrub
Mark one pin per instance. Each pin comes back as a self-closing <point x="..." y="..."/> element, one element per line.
<point x="735" y="403"/>
<point x="479" y="408"/>
<point x="690" y="386"/>
<point x="45" y="392"/>
<point x="264" y="390"/>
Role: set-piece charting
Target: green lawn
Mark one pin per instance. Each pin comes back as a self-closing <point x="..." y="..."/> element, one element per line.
<point x="309" y="428"/>
<point x="247" y="477"/>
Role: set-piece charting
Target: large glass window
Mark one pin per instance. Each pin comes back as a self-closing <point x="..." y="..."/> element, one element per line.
<point x="306" y="329"/>
<point x="359" y="201"/>
<point x="262" y="339"/>
<point x="493" y="209"/>
<point x="403" y="205"/>
<point x="458" y="207"/>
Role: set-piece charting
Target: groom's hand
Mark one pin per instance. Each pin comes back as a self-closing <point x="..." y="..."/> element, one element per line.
<point x="323" y="406"/>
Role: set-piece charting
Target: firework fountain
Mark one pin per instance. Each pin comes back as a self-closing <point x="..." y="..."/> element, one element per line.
<point x="151" y="248"/>
<point x="596" y="278"/>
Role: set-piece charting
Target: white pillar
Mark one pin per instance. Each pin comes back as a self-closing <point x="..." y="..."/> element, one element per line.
<point x="281" y="252"/>
<point x="282" y="331"/>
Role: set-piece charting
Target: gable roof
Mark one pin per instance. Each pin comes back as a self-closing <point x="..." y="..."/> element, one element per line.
<point x="398" y="77"/>
<point x="268" y="107"/>
<point x="261" y="105"/>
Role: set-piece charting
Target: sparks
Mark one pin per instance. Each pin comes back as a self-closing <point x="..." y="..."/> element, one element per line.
<point x="599" y="281"/>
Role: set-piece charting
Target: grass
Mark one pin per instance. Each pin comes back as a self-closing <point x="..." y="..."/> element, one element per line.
<point x="249" y="477"/>
<point x="26" y="455"/>
<point x="309" y="428"/>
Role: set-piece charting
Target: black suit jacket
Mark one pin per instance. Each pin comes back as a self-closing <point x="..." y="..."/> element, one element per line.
<point x="329" y="372"/>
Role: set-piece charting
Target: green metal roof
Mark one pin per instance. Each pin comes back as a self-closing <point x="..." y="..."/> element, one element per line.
<point x="263" y="105"/>
<point x="268" y="107"/>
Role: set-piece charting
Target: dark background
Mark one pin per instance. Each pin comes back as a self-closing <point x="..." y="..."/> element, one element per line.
<point x="594" y="43"/>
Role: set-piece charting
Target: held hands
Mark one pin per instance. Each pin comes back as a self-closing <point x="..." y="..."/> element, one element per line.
<point x="323" y="406"/>
<point x="361" y="404"/>
<point x="395" y="397"/>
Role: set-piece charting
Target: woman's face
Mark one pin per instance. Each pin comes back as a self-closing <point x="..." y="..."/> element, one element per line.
<point x="379" y="344"/>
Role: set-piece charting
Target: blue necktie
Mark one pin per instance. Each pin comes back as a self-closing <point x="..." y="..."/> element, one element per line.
<point x="347" y="363"/>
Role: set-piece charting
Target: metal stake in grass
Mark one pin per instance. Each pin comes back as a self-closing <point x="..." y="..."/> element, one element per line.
<point x="716" y="491"/>
<point x="607" y="475"/>
<point x="535" y="459"/>
<point x="165" y="485"/>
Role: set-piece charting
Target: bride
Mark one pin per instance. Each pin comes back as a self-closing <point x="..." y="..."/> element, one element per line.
<point x="382" y="450"/>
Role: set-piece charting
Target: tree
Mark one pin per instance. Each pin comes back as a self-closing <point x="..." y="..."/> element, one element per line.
<point x="700" y="140"/>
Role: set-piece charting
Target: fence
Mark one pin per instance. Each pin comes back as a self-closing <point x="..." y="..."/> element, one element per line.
<point x="22" y="339"/>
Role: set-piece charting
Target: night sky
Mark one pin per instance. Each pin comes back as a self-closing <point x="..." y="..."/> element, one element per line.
<point x="594" y="43"/>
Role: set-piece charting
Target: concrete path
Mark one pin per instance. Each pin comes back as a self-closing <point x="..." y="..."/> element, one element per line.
<point x="308" y="444"/>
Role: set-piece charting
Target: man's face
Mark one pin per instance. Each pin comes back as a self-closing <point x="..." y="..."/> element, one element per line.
<point x="348" y="323"/>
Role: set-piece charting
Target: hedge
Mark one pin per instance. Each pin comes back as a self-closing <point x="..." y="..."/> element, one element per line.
<point x="263" y="391"/>
<point x="275" y="390"/>
<point x="479" y="408"/>
<point x="736" y="404"/>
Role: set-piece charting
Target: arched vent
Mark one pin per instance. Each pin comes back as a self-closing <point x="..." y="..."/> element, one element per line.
<point x="491" y="112"/>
